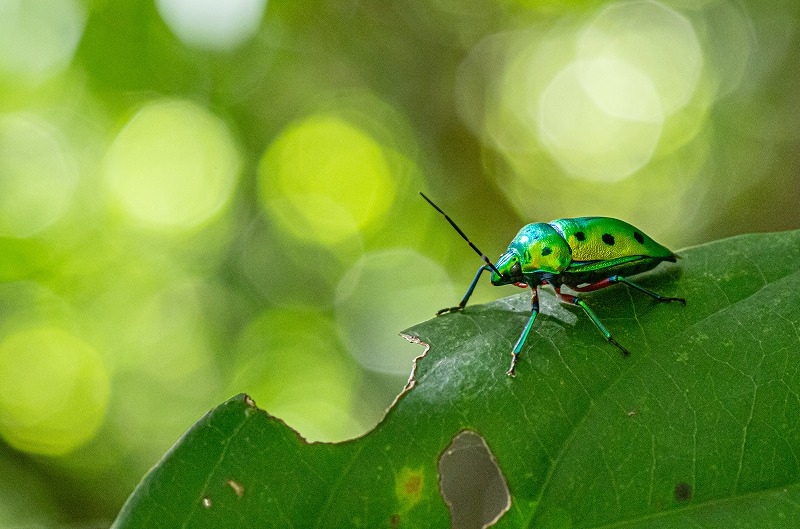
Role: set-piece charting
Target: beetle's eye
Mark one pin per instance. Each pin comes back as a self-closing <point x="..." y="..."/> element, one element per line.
<point x="516" y="270"/>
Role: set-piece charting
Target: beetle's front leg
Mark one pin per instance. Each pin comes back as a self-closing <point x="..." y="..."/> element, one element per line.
<point x="524" y="336"/>
<point x="466" y="297"/>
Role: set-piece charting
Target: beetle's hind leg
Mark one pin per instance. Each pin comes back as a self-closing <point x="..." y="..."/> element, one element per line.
<point x="575" y="300"/>
<point x="619" y="279"/>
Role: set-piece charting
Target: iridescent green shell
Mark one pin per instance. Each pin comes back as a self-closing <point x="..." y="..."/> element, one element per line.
<point x="605" y="239"/>
<point x="580" y="249"/>
<point x="541" y="248"/>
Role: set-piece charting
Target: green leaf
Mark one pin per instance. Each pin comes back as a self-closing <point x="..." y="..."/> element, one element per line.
<point x="698" y="427"/>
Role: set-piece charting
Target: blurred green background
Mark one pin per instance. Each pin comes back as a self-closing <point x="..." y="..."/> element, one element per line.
<point x="201" y="198"/>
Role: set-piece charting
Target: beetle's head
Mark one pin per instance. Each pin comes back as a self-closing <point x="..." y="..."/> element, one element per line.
<point x="509" y="267"/>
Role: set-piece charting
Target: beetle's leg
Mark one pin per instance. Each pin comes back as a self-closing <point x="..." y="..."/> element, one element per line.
<point x="619" y="279"/>
<point x="466" y="297"/>
<point x="575" y="300"/>
<point x="654" y="295"/>
<point x="525" y="331"/>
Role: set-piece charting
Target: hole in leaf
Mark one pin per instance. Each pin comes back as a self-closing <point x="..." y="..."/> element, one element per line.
<point x="471" y="483"/>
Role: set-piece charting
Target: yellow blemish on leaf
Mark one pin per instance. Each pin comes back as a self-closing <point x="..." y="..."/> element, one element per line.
<point x="408" y="487"/>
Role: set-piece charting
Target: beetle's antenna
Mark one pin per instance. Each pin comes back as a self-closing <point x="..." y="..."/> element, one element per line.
<point x="453" y="224"/>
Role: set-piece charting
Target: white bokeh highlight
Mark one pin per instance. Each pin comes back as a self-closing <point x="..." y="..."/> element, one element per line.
<point x="212" y="24"/>
<point x="38" y="175"/>
<point x="38" y="38"/>
<point x="385" y="292"/>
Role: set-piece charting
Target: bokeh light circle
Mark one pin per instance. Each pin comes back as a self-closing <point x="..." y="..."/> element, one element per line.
<point x="174" y="165"/>
<point x="211" y="23"/>
<point x="587" y="116"/>
<point x="55" y="391"/>
<point x="282" y="268"/>
<point x="619" y="89"/>
<point x="171" y="344"/>
<point x="292" y="364"/>
<point x="324" y="180"/>
<point x="601" y="117"/>
<point x="729" y="42"/>
<point x="38" y="175"/>
<point x="652" y="39"/>
<point x="38" y="37"/>
<point x="588" y="141"/>
<point x="384" y="293"/>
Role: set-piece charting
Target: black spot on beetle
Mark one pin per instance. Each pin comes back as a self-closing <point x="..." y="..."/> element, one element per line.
<point x="608" y="239"/>
<point x="638" y="237"/>
<point x="580" y="236"/>
<point x="683" y="491"/>
<point x="546" y="251"/>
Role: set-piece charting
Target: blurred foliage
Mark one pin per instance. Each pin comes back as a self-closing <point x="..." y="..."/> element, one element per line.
<point x="696" y="428"/>
<point x="204" y="198"/>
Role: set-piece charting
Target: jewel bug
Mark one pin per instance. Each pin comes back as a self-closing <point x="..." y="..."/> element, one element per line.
<point x="583" y="253"/>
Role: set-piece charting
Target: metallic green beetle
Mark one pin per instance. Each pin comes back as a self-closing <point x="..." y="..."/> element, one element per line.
<point x="584" y="253"/>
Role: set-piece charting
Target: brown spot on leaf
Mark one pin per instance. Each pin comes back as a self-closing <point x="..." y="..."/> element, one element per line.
<point x="413" y="484"/>
<point x="408" y="487"/>
<point x="394" y="521"/>
<point x="683" y="491"/>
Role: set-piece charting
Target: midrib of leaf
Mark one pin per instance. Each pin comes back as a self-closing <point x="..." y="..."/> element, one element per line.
<point x="229" y="438"/>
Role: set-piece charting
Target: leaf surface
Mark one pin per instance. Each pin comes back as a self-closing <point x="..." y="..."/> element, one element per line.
<point x="698" y="427"/>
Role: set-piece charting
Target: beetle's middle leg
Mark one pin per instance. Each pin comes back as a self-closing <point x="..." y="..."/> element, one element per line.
<point x="524" y="336"/>
<point x="619" y="279"/>
<point x="575" y="300"/>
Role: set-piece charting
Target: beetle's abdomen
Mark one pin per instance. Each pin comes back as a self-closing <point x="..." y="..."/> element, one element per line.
<point x="606" y="238"/>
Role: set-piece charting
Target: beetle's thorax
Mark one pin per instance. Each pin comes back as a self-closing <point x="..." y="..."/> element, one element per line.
<point x="538" y="250"/>
<point x="542" y="249"/>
